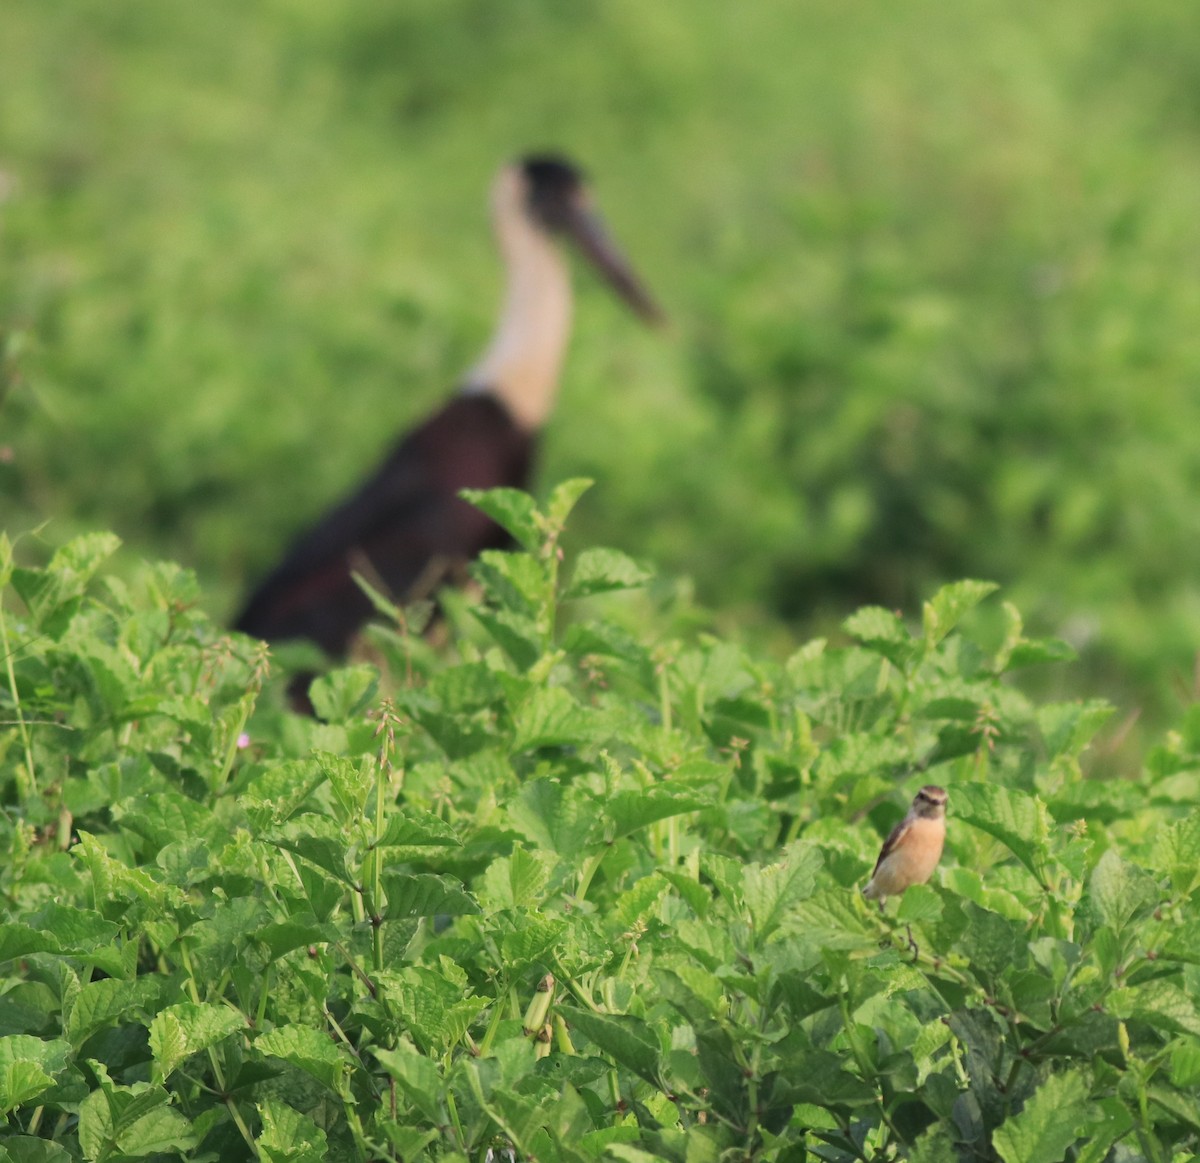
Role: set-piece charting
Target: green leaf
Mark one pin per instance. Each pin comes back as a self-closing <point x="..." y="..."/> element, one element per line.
<point x="1048" y="1123"/>
<point x="307" y="1049"/>
<point x="1177" y="852"/>
<point x="282" y="937"/>
<point x="1166" y="1006"/>
<point x="511" y="509"/>
<point x="949" y="605"/>
<point x="1110" y="1121"/>
<point x="599" y="571"/>
<point x="163" y="1130"/>
<point x="627" y="1040"/>
<point x="1119" y="891"/>
<point x="882" y="631"/>
<point x="26" y="1149"/>
<point x="187" y="1028"/>
<point x="631" y="810"/>
<point x="936" y="1145"/>
<point x="28" y="1066"/>
<point x="344" y="693"/>
<point x="326" y="853"/>
<point x="563" y="499"/>
<point x="771" y="891"/>
<point x="350" y="782"/>
<point x="426" y="895"/>
<point x="18" y="940"/>
<point x="517" y="881"/>
<point x="289" y="1136"/>
<point x="1185" y="1063"/>
<point x="1017" y="820"/>
<point x="919" y="903"/>
<point x="99" y="1004"/>
<point x="417" y="1076"/>
<point x="553" y="816"/>
<point x="409" y="827"/>
<point x="550" y="717"/>
<point x="516" y="582"/>
<point x="20" y="1082"/>
<point x="131" y="1120"/>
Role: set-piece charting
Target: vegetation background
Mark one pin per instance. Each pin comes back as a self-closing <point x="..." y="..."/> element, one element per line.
<point x="932" y="271"/>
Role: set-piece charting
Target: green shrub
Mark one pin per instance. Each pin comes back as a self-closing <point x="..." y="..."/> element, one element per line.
<point x="581" y="891"/>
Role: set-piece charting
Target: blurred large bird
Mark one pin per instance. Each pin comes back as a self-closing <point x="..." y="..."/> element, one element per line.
<point x="406" y="529"/>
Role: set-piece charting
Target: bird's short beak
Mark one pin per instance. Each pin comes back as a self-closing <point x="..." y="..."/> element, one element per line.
<point x="586" y="229"/>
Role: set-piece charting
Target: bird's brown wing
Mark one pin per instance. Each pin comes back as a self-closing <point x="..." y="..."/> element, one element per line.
<point x="889" y="845"/>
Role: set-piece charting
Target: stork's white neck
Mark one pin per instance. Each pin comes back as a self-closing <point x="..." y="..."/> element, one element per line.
<point x="521" y="364"/>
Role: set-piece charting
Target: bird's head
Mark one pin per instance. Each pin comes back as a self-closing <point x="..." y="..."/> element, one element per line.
<point x="551" y="194"/>
<point x="930" y="802"/>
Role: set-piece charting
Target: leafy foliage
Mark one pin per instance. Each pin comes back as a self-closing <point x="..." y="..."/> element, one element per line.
<point x="571" y="891"/>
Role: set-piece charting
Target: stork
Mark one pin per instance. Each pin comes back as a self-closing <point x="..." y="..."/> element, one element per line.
<point x="405" y="527"/>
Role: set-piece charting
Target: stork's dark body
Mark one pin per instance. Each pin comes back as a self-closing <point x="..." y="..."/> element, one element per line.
<point x="405" y="518"/>
<point x="406" y="530"/>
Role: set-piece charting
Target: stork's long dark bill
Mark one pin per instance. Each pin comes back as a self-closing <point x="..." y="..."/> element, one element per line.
<point x="587" y="230"/>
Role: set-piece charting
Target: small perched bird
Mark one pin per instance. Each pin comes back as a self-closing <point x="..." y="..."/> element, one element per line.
<point x="405" y="529"/>
<point x="911" y="852"/>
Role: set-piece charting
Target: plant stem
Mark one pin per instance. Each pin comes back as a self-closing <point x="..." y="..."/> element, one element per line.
<point x="27" y="787"/>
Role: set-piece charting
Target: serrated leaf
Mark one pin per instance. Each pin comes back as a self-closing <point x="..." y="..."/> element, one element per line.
<point x="426" y="895"/>
<point x="936" y="1145"/>
<point x="160" y="1131"/>
<point x="349" y="781"/>
<point x="18" y="940"/>
<point x="326" y="853"/>
<point x="511" y="509"/>
<point x="950" y="604"/>
<point x="919" y="903"/>
<point x="98" y="1004"/>
<point x="282" y="937"/>
<point x="770" y="892"/>
<point x="20" y="1082"/>
<point x="27" y="1149"/>
<point x="112" y="1114"/>
<point x="883" y="632"/>
<point x="1047" y="1124"/>
<point x="343" y="693"/>
<point x="1119" y="891"/>
<point x="28" y="1066"/>
<point x="1017" y="820"/>
<point x="517" y="881"/>
<point x="187" y="1028"/>
<point x="409" y="827"/>
<point x="1177" y="852"/>
<point x="554" y="816"/>
<point x="515" y="582"/>
<point x="631" y="810"/>
<point x="417" y="1077"/>
<point x="600" y="571"/>
<point x="1039" y="651"/>
<point x="626" y="1039"/>
<point x="550" y="717"/>
<point x="307" y="1049"/>
<point x="1111" y="1121"/>
<point x="289" y="1136"/>
<point x="1166" y="1006"/>
<point x="563" y="499"/>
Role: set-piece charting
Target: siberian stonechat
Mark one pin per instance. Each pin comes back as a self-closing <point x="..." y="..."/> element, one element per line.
<point x="910" y="854"/>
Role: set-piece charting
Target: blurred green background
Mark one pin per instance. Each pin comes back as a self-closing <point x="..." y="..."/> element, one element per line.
<point x="934" y="272"/>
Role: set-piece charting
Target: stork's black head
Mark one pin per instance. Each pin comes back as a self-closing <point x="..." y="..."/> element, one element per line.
<point x="558" y="200"/>
<point x="556" y="189"/>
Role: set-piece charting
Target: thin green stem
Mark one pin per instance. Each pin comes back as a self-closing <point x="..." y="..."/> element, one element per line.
<point x="26" y="787"/>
